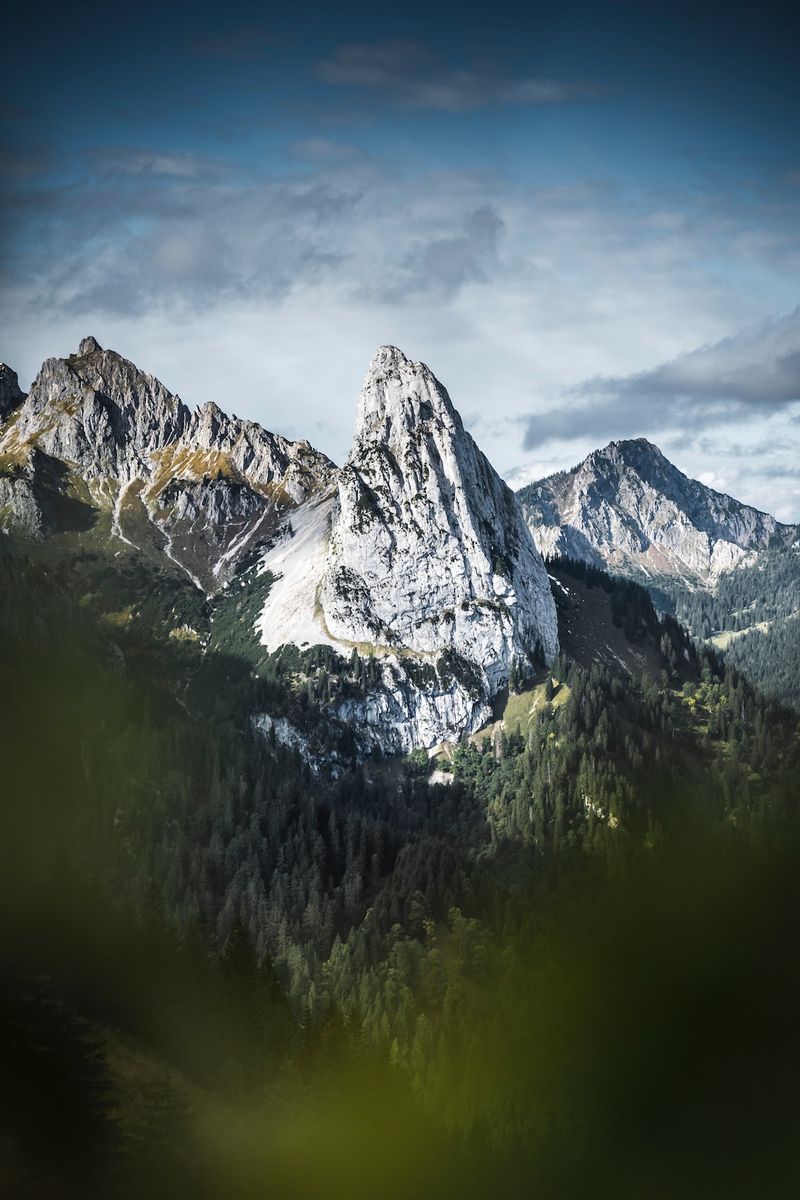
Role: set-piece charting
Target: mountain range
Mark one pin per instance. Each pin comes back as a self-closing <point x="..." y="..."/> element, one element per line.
<point x="333" y="809"/>
<point x="95" y="435"/>
<point x="414" y="553"/>
<point x="728" y="571"/>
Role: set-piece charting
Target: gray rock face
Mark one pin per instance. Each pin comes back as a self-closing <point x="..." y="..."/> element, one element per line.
<point x="101" y="414"/>
<point x="11" y="395"/>
<point x="263" y="458"/>
<point x="211" y="485"/>
<point x="429" y="551"/>
<point x="20" y="505"/>
<point x="628" y="507"/>
<point x="415" y="552"/>
<point x="423" y="560"/>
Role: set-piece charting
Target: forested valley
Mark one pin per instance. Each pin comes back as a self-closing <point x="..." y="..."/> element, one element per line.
<point x="752" y="615"/>
<point x="557" y="957"/>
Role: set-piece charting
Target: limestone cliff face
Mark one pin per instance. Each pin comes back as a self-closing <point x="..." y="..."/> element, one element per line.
<point x="99" y="413"/>
<point x="423" y="559"/>
<point x="414" y="553"/>
<point x="202" y="487"/>
<point x="626" y="506"/>
<point x="429" y="551"/>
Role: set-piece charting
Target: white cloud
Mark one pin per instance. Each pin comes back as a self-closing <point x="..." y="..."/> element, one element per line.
<point x="269" y="296"/>
<point x="756" y="370"/>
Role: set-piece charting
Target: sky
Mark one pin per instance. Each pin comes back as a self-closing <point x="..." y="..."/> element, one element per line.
<point x="585" y="217"/>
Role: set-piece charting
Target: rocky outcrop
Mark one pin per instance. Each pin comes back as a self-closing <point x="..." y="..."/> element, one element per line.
<point x="18" y="502"/>
<point x="429" y="551"/>
<point x="264" y="459"/>
<point x="423" y="559"/>
<point x="99" y="413"/>
<point x="203" y="487"/>
<point x="11" y="395"/>
<point x="627" y="507"/>
<point x="414" y="554"/>
<point x="20" y="507"/>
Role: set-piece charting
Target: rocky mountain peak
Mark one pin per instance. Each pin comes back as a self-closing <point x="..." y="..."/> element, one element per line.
<point x="204" y="488"/>
<point x="632" y="447"/>
<point x="211" y="418"/>
<point x="631" y="454"/>
<point x="426" y="558"/>
<point x="399" y="395"/>
<point x="99" y="412"/>
<point x="626" y="505"/>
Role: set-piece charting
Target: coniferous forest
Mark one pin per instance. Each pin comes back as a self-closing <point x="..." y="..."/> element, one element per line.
<point x="752" y="616"/>
<point x="558" y="958"/>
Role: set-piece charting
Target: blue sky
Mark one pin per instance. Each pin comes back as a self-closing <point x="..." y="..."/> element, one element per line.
<point x="585" y="218"/>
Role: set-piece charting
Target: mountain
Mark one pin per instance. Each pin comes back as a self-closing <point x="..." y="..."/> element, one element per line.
<point x="99" y="445"/>
<point x="414" y="555"/>
<point x="420" y="558"/>
<point x="627" y="506"/>
<point x="729" y="572"/>
<point x="230" y="932"/>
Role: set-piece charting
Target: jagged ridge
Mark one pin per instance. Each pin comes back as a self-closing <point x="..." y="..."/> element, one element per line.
<point x="203" y="486"/>
<point x="415" y="552"/>
<point x="627" y="506"/>
<point x="421" y="558"/>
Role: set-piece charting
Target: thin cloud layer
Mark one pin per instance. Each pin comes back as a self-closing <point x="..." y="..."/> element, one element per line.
<point x="603" y="285"/>
<point x="411" y="75"/>
<point x="250" y="205"/>
<point x="441" y="266"/>
<point x="132" y="160"/>
<point x="757" y="371"/>
<point x="516" y="296"/>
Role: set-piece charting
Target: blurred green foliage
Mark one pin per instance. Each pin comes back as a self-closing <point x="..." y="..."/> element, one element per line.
<point x="570" y="972"/>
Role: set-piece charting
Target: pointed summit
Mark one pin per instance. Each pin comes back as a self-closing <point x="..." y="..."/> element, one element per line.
<point x="638" y="453"/>
<point x="628" y="507"/>
<point x="99" y="412"/>
<point x="629" y="448"/>
<point x="201" y="487"/>
<point x="420" y="560"/>
<point x="429" y="556"/>
<point x="399" y="393"/>
<point x="386" y="358"/>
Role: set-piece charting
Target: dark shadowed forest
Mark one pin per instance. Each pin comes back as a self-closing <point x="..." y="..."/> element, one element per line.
<point x="557" y="956"/>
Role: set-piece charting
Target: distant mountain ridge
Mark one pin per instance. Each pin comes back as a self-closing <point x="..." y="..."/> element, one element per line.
<point x="414" y="554"/>
<point x="628" y="508"/>
<point x="728" y="571"/>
